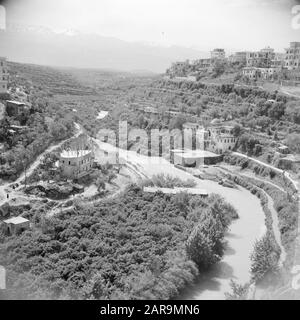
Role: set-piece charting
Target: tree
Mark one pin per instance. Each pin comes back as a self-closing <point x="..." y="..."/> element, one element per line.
<point x="237" y="130"/>
<point x="176" y="123"/>
<point x="95" y="288"/>
<point x="277" y="110"/>
<point x="204" y="246"/>
<point x="238" y="291"/>
<point x="264" y="258"/>
<point x="218" y="69"/>
<point x="199" y="248"/>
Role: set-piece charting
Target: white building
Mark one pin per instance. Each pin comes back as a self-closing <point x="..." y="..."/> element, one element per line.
<point x="292" y="56"/>
<point x="260" y="59"/>
<point x="76" y="164"/>
<point x="216" y="138"/>
<point x="16" y="225"/>
<point x="250" y="72"/>
<point x="254" y="73"/>
<point x="221" y="139"/>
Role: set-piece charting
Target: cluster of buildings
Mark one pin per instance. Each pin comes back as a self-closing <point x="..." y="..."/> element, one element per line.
<point x="266" y="63"/>
<point x="212" y="142"/>
<point x="186" y="70"/>
<point x="262" y="64"/>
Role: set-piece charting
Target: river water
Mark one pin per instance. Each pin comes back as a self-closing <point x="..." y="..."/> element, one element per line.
<point x="240" y="238"/>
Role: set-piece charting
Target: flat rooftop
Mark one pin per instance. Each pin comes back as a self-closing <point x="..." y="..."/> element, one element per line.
<point x="188" y="154"/>
<point x="16" y="220"/>
<point x="74" y="153"/>
<point x="16" y="102"/>
<point x="194" y="191"/>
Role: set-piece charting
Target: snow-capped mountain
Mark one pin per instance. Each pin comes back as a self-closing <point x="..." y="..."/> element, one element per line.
<point x="67" y="47"/>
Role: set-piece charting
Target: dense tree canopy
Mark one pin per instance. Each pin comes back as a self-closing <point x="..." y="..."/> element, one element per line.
<point x="130" y="247"/>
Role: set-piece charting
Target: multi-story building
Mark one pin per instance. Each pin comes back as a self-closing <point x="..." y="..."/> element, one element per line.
<point x="253" y="73"/>
<point x="218" y="53"/>
<point x="250" y="72"/>
<point x="211" y="143"/>
<point x="292" y="56"/>
<point x="268" y="73"/>
<point x="278" y="61"/>
<point x="221" y="138"/>
<point x="76" y="164"/>
<point x="270" y="52"/>
<point x="217" y="138"/>
<point x="260" y="59"/>
<point x="4" y="75"/>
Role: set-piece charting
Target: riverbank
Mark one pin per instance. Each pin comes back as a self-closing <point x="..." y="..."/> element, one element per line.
<point x="240" y="239"/>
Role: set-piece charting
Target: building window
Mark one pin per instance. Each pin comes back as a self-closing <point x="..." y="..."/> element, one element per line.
<point x="69" y="163"/>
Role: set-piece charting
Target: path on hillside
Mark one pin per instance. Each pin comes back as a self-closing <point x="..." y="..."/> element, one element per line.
<point x="13" y="193"/>
<point x="286" y="174"/>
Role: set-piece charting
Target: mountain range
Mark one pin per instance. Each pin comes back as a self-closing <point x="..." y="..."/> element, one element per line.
<point x="70" y="48"/>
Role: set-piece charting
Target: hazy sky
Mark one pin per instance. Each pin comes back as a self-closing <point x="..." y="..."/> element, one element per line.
<point x="234" y="24"/>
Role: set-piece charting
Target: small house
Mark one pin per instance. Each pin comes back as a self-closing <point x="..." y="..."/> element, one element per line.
<point x="16" y="108"/>
<point x="283" y="149"/>
<point x="16" y="225"/>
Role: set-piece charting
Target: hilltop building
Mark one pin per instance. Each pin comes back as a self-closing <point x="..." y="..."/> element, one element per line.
<point x="218" y="53"/>
<point x="292" y="56"/>
<point x="76" y="164"/>
<point x="4" y="75"/>
<point x="260" y="59"/>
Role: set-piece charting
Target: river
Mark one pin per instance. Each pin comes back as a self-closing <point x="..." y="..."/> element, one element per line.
<point x="240" y="238"/>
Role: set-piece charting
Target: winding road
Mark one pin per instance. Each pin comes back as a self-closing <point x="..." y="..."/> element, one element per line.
<point x="13" y="194"/>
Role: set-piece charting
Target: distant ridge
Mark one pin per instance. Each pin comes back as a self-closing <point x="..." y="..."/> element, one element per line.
<point x="70" y="48"/>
